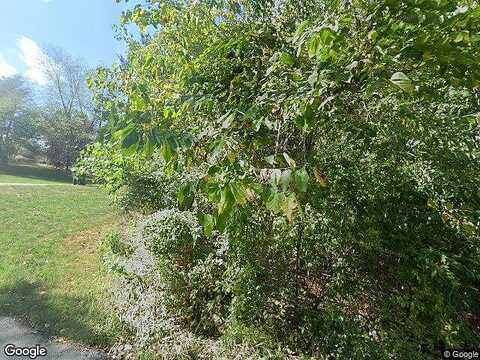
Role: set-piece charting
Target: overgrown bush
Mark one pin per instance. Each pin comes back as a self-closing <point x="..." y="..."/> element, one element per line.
<point x="315" y="167"/>
<point x="134" y="182"/>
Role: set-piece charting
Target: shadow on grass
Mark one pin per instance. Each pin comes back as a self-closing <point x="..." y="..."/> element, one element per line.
<point x="53" y="316"/>
<point x="35" y="172"/>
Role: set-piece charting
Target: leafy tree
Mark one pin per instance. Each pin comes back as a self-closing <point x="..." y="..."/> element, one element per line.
<point x="64" y="138"/>
<point x="66" y="88"/>
<point x="330" y="148"/>
<point x="18" y="121"/>
<point x="68" y="121"/>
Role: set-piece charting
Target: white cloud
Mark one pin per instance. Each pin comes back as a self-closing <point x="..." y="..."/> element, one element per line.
<point x="6" y="69"/>
<point x="31" y="55"/>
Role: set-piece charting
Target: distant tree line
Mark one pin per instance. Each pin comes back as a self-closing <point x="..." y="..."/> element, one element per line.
<point x="53" y="122"/>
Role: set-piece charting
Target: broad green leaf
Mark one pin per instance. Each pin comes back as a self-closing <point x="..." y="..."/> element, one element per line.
<point x="148" y="148"/>
<point x="327" y="36"/>
<point x="208" y="223"/>
<point x="186" y="196"/>
<point x="226" y="200"/>
<point x="213" y="191"/>
<point x="301" y="180"/>
<point x="166" y="151"/>
<point x="289" y="206"/>
<point x="306" y="120"/>
<point x="402" y="81"/>
<point x="301" y="28"/>
<point x="131" y="139"/>
<point x="239" y="193"/>
<point x="275" y="201"/>
<point x="314" y="45"/>
<point x="270" y="159"/>
<point x="286" y="59"/>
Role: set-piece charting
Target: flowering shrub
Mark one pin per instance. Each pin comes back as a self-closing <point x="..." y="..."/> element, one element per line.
<point x="318" y="167"/>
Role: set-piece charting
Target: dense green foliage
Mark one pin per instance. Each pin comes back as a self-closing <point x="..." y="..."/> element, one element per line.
<point x="18" y="122"/>
<point x="314" y="165"/>
<point x="68" y="119"/>
<point x="64" y="137"/>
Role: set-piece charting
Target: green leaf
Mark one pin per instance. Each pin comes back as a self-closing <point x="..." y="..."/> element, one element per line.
<point x="124" y="132"/>
<point x="301" y="28"/>
<point x="402" y="81"/>
<point x="301" y="180"/>
<point x="372" y="35"/>
<point x="212" y="170"/>
<point x="306" y="120"/>
<point x="208" y="223"/>
<point x="221" y="221"/>
<point x="274" y="201"/>
<point x="131" y="139"/>
<point x="166" y="151"/>
<point x="137" y="102"/>
<point x="286" y="59"/>
<point x="226" y="200"/>
<point x="186" y="196"/>
<point x="270" y="159"/>
<point x="469" y="228"/>
<point x="148" y="148"/>
<point x="327" y="36"/>
<point x="213" y="191"/>
<point x="314" y="45"/>
<point x="289" y="206"/>
<point x="462" y="36"/>
<point x="90" y="83"/>
<point x="239" y="193"/>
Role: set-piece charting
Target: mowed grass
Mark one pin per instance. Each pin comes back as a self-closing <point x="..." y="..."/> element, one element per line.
<point x="51" y="274"/>
<point x="31" y="174"/>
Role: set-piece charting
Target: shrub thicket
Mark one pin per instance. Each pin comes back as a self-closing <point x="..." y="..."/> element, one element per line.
<point x="320" y="163"/>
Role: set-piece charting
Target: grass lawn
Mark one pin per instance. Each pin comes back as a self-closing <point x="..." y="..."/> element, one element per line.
<point x="31" y="174"/>
<point x="50" y="270"/>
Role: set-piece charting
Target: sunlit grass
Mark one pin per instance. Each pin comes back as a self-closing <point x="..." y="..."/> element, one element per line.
<point x="50" y="270"/>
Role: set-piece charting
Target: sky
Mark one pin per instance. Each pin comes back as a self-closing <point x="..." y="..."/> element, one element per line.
<point x="83" y="28"/>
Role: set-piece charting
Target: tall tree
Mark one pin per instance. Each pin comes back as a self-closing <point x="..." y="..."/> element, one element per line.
<point x="66" y="89"/>
<point x="18" y="124"/>
<point x="68" y="118"/>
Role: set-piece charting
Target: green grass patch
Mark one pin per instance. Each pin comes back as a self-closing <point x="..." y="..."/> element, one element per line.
<point x="32" y="174"/>
<point x="50" y="270"/>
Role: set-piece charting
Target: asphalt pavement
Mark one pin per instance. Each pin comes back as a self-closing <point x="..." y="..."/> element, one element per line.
<point x="23" y="339"/>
